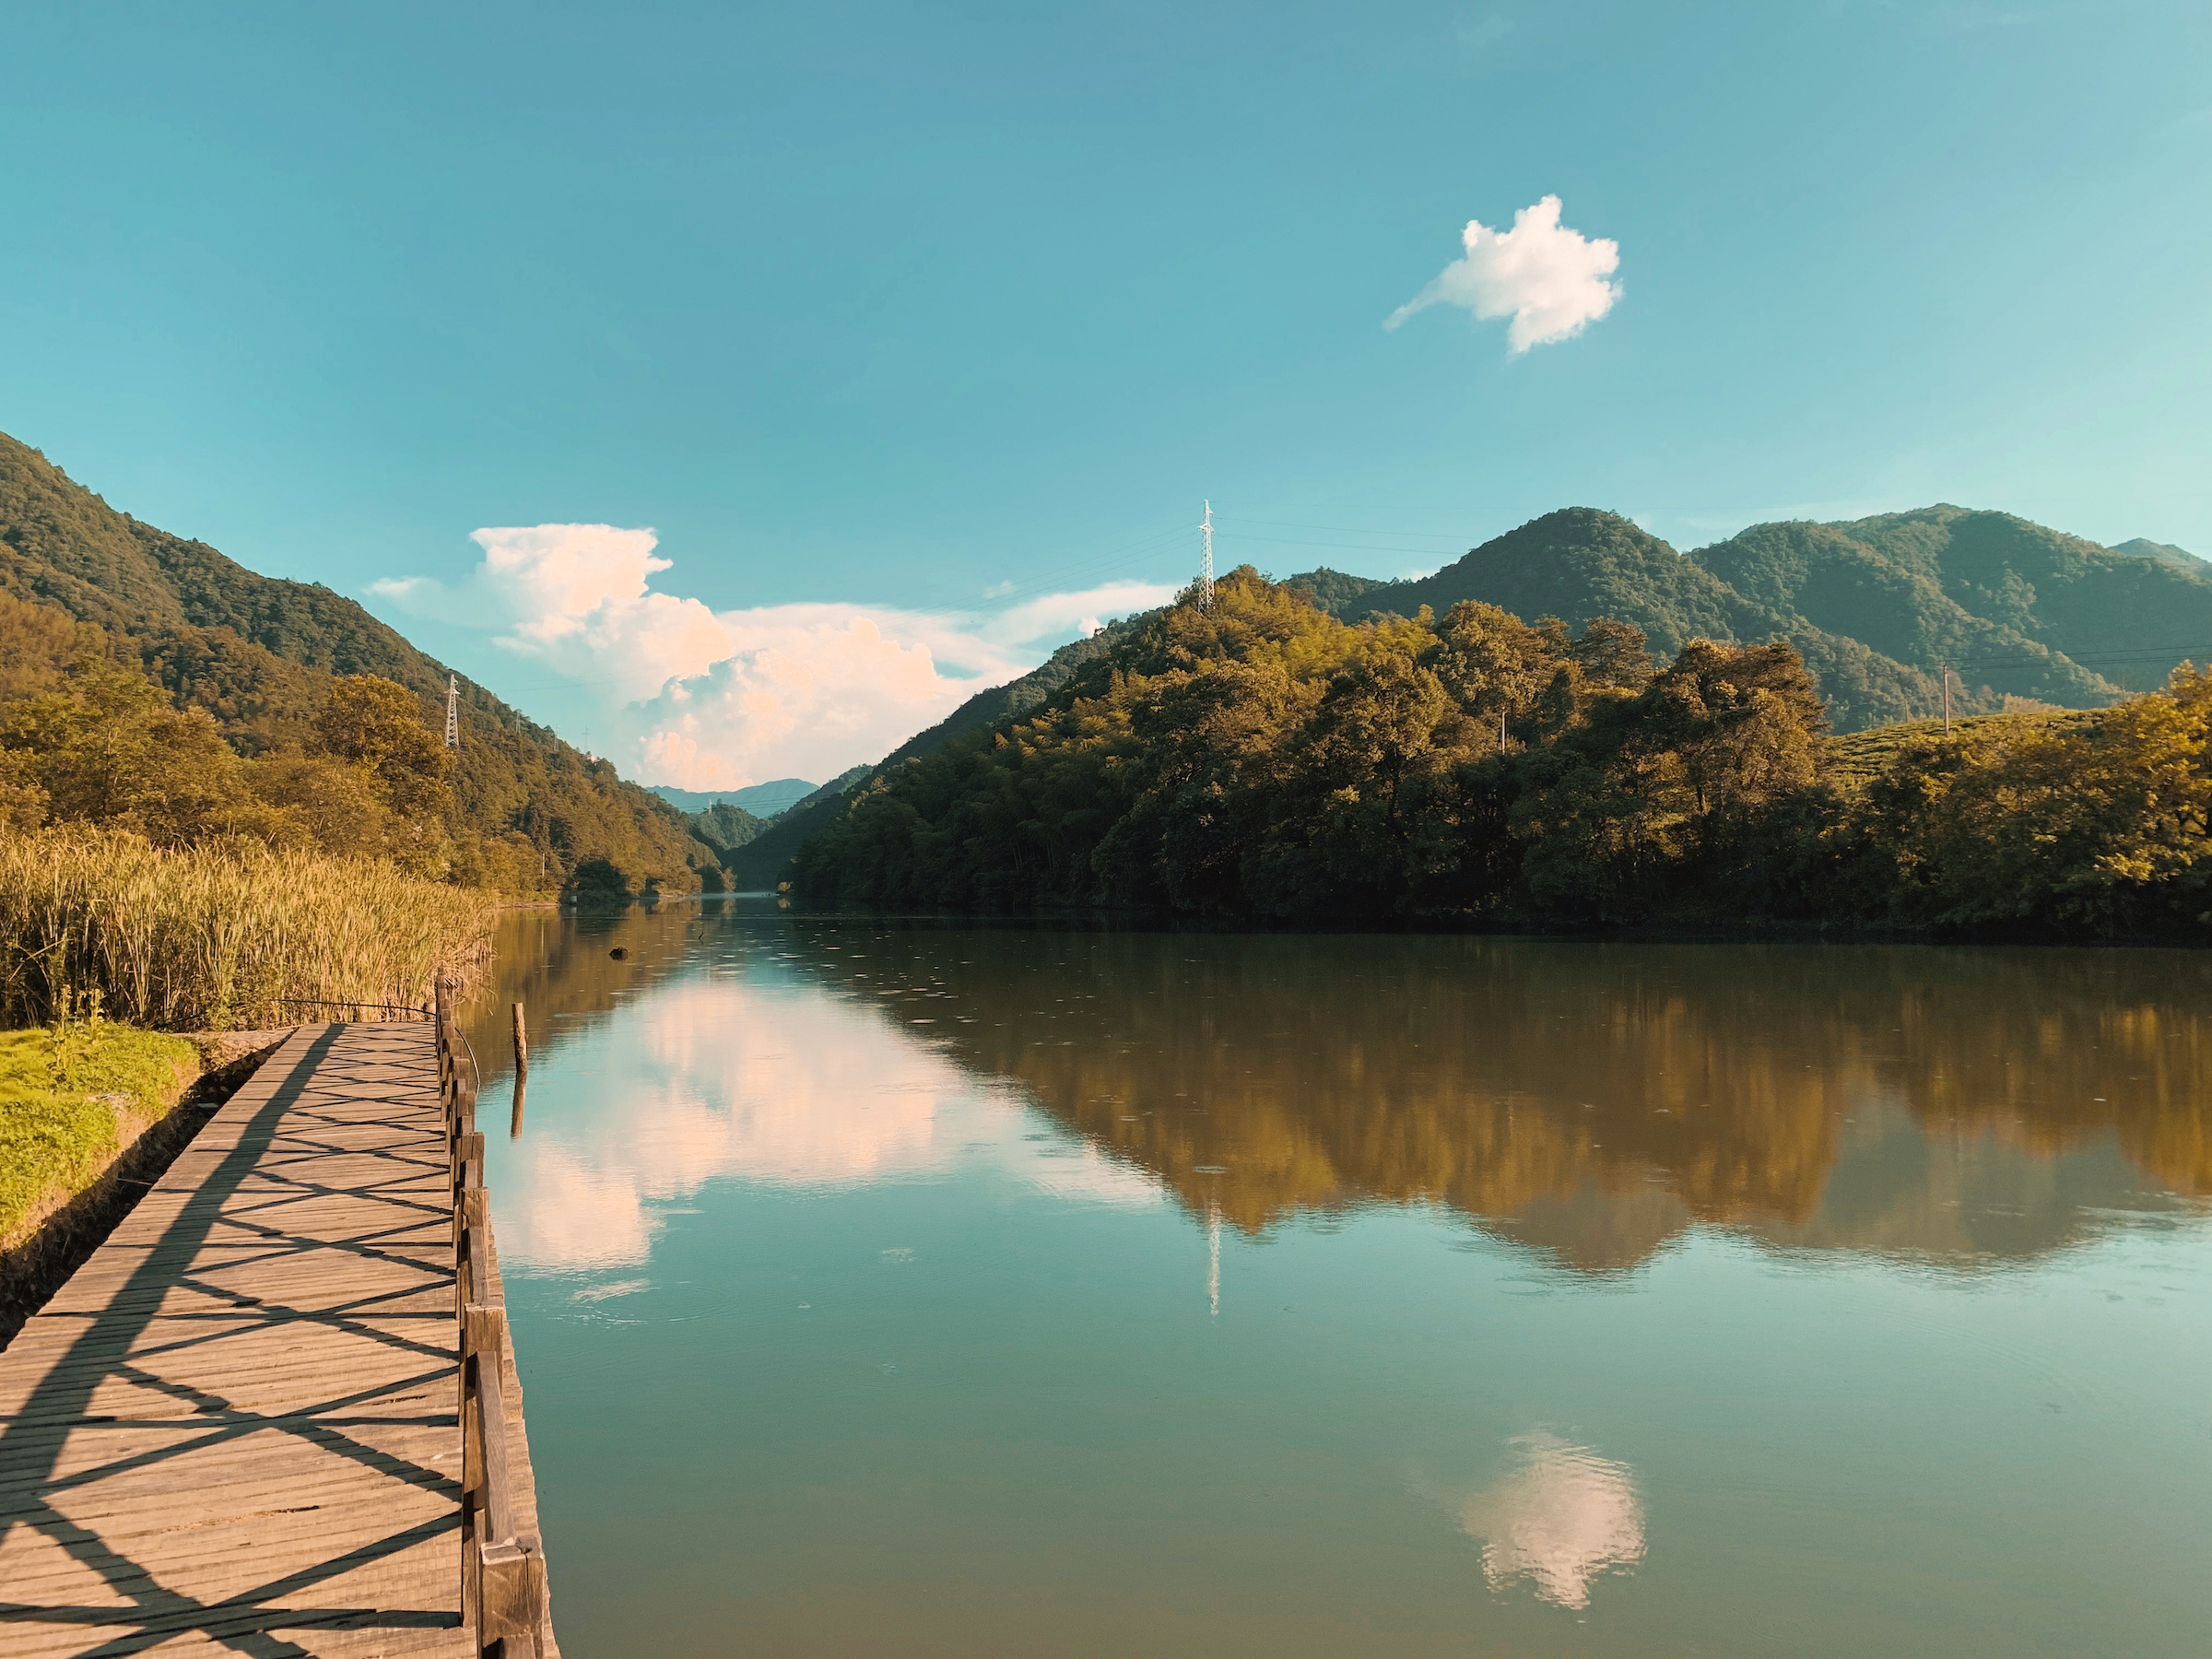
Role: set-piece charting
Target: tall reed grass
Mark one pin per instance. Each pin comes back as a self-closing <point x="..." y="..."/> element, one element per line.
<point x="223" y="936"/>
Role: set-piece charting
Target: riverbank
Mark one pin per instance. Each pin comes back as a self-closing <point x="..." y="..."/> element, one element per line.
<point x="90" y="1114"/>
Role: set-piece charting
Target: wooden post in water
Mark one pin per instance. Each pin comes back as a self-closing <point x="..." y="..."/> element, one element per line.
<point x="521" y="1074"/>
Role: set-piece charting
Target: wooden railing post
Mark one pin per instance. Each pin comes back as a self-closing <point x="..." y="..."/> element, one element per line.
<point x="512" y="1593"/>
<point x="502" y="1568"/>
<point x="481" y="1328"/>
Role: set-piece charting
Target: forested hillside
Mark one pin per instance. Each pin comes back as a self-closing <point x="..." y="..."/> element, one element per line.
<point x="760" y="863"/>
<point x="1262" y="759"/>
<point x="1878" y="607"/>
<point x="262" y="656"/>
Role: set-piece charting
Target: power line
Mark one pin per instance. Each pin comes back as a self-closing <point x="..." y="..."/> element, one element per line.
<point x="1049" y="583"/>
<point x="1285" y="541"/>
<point x="2150" y="653"/>
<point x="1354" y="529"/>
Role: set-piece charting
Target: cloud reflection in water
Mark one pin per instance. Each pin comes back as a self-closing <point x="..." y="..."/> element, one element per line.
<point x="1562" y="1516"/>
<point x="785" y="1085"/>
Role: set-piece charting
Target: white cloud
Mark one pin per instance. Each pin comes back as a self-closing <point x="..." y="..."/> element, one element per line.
<point x="1055" y="614"/>
<point x="808" y="691"/>
<point x="719" y="699"/>
<point x="1551" y="280"/>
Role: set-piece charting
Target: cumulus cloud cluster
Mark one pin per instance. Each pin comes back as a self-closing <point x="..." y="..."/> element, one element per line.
<point x="1551" y="280"/>
<point x="716" y="700"/>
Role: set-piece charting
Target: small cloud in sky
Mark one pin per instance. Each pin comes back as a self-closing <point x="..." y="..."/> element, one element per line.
<point x="717" y="700"/>
<point x="998" y="589"/>
<point x="1551" y="280"/>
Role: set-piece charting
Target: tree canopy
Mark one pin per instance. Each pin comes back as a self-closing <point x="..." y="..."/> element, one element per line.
<point x="1262" y="759"/>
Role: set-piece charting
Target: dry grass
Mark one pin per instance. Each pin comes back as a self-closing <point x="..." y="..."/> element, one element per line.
<point x="220" y="936"/>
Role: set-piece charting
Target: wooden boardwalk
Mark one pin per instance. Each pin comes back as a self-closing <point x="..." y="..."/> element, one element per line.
<point x="236" y="1428"/>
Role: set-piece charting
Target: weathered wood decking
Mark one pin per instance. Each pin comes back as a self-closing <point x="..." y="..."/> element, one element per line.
<point x="235" y="1429"/>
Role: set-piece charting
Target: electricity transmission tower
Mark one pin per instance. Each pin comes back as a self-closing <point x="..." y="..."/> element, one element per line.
<point x="453" y="712"/>
<point x="1206" y="559"/>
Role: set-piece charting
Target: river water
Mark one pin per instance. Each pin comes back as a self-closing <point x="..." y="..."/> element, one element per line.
<point x="910" y="1289"/>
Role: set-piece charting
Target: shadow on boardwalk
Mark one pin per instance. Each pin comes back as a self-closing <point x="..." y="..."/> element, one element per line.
<point x="236" y="1424"/>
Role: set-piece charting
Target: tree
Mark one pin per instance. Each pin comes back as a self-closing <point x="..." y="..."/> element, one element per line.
<point x="1744" y="722"/>
<point x="378" y="727"/>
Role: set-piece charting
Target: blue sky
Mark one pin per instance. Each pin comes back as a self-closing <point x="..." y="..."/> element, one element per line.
<point x="867" y="311"/>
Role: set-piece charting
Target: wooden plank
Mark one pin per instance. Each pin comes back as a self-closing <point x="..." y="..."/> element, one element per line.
<point x="234" y="1429"/>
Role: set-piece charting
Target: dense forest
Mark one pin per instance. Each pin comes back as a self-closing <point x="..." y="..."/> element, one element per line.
<point x="1264" y="759"/>
<point x="2026" y="618"/>
<point x="193" y="676"/>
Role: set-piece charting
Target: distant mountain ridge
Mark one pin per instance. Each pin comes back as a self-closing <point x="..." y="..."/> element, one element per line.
<point x="762" y="800"/>
<point x="1878" y="607"/>
<point x="2164" y="552"/>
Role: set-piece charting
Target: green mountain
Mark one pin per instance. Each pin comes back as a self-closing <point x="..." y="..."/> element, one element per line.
<point x="762" y="800"/>
<point x="260" y="655"/>
<point x="2164" y="552"/>
<point x="2013" y="605"/>
<point x="726" y="826"/>
<point x="1260" y="758"/>
<point x="1878" y="607"/>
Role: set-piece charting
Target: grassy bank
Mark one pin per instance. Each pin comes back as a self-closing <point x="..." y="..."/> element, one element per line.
<point x="71" y="1098"/>
<point x="220" y="936"/>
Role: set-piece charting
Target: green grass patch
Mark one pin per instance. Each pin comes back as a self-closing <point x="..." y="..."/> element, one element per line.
<point x="60" y="1091"/>
<point x="1856" y="759"/>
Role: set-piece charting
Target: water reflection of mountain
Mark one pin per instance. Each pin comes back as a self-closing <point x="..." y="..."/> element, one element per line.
<point x="1590" y="1100"/>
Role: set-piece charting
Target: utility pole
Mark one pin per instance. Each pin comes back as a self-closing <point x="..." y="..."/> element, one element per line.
<point x="453" y="712"/>
<point x="1946" y="702"/>
<point x="1206" y="559"/>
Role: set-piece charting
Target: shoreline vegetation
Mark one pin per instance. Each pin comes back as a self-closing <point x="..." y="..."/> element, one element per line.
<point x="1262" y="761"/>
<point x="223" y="935"/>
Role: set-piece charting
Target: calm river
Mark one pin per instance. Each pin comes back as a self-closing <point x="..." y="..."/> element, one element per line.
<point x="964" y="1290"/>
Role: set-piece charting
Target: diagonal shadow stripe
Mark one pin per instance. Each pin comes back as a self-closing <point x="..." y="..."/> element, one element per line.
<point x="101" y="1350"/>
<point x="308" y="1424"/>
<point x="244" y="1622"/>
